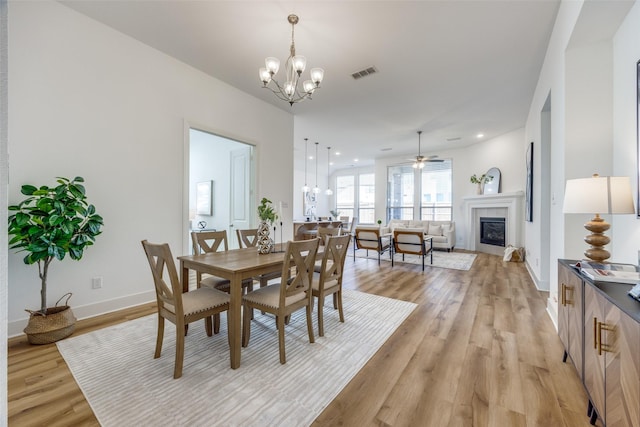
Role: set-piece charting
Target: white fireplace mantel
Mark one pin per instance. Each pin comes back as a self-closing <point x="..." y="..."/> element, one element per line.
<point x="512" y="202"/>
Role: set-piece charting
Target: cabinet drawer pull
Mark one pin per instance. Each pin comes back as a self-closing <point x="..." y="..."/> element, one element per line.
<point x="595" y="333"/>
<point x="563" y="297"/>
<point x="603" y="347"/>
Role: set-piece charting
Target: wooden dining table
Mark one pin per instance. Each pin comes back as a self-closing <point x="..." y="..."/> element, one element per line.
<point x="235" y="265"/>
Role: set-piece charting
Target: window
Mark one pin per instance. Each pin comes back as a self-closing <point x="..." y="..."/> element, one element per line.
<point x="345" y="195"/>
<point x="360" y="203"/>
<point x="420" y="193"/>
<point x="367" y="198"/>
<point x="436" y="201"/>
<point x="400" y="192"/>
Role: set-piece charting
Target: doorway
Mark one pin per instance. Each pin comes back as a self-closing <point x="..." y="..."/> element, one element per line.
<point x="221" y="182"/>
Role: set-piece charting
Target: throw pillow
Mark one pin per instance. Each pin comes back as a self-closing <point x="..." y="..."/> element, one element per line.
<point x="435" y="230"/>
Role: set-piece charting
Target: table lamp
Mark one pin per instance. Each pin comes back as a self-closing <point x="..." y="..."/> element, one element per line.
<point x="599" y="195"/>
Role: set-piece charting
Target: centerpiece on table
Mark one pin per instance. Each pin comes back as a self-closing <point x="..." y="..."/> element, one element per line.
<point x="49" y="224"/>
<point x="267" y="215"/>
<point x="480" y="181"/>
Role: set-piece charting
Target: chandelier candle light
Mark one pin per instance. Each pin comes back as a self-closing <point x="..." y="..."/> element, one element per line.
<point x="295" y="65"/>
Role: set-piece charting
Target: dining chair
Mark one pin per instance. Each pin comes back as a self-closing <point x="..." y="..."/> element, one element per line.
<point x="249" y="239"/>
<point x="291" y="294"/>
<point x="411" y="241"/>
<point x="329" y="280"/>
<point x="369" y="238"/>
<point x="208" y="242"/>
<point x="324" y="232"/>
<point x="177" y="307"/>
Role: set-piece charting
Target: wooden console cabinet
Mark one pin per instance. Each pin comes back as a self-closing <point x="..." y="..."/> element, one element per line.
<point x="570" y="315"/>
<point x="610" y="350"/>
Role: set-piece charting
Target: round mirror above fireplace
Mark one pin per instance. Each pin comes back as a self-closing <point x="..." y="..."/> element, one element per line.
<point x="493" y="186"/>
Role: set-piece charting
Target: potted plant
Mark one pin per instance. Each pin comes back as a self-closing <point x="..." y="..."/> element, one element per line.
<point x="480" y="181"/>
<point x="49" y="224"/>
<point x="268" y="216"/>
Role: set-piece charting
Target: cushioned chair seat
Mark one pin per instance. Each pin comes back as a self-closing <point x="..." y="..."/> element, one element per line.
<point x="200" y="300"/>
<point x="270" y="296"/>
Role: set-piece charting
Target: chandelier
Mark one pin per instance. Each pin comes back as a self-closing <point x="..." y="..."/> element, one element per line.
<point x="295" y="65"/>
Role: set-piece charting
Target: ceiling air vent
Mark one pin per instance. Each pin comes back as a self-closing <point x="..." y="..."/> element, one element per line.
<point x="364" y="73"/>
<point x="454" y="139"/>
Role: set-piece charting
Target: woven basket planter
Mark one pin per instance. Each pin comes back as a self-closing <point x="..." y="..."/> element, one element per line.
<point x="59" y="322"/>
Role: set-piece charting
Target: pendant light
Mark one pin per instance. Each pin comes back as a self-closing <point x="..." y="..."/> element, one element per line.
<point x="305" y="187"/>
<point x="329" y="191"/>
<point x="316" y="189"/>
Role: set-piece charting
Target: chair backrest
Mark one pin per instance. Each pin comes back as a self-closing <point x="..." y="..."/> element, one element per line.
<point x="335" y="252"/>
<point x="247" y="238"/>
<point x="162" y="265"/>
<point x="367" y="238"/>
<point x="344" y="218"/>
<point x="408" y="241"/>
<point x="325" y="232"/>
<point x="209" y="241"/>
<point x="352" y="226"/>
<point x="300" y="254"/>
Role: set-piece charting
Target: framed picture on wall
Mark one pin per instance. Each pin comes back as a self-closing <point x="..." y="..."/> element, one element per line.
<point x="204" y="198"/>
<point x="309" y="204"/>
<point x="528" y="206"/>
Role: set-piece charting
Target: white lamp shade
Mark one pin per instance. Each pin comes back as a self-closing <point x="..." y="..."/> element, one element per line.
<point x="272" y="64"/>
<point x="265" y="75"/>
<point x="299" y="63"/>
<point x="308" y="86"/>
<point x="317" y="74"/>
<point x="599" y="195"/>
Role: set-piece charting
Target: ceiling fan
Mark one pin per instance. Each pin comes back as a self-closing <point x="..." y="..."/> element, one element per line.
<point x="420" y="160"/>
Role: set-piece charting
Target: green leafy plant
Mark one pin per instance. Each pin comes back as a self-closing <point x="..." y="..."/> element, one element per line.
<point x="482" y="179"/>
<point x="51" y="223"/>
<point x="266" y="211"/>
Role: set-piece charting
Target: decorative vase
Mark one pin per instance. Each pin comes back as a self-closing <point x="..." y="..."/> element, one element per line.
<point x="264" y="242"/>
<point x="479" y="189"/>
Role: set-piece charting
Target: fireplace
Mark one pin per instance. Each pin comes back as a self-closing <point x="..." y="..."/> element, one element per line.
<point x="492" y="231"/>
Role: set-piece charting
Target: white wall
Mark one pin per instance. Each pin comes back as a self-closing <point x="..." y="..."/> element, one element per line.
<point x="625" y="231"/>
<point x="86" y="100"/>
<point x="505" y="152"/>
<point x="579" y="73"/>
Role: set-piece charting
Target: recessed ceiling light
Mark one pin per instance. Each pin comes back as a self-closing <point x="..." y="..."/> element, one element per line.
<point x="337" y="153"/>
<point x="355" y="160"/>
<point x="330" y="163"/>
<point x="480" y="135"/>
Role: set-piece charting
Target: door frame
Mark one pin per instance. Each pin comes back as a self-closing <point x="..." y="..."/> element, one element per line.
<point x="188" y="125"/>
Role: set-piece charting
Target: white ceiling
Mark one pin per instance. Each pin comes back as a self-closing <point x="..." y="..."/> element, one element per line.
<point x="450" y="68"/>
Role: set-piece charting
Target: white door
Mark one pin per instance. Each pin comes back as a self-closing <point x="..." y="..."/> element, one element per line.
<point x="240" y="193"/>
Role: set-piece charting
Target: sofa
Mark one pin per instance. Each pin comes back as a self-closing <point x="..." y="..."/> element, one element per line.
<point x="443" y="233"/>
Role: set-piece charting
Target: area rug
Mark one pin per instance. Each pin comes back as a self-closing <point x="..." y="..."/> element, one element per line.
<point x="125" y="386"/>
<point x="452" y="260"/>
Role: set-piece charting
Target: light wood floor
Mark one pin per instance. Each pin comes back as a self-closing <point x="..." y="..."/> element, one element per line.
<point x="479" y="350"/>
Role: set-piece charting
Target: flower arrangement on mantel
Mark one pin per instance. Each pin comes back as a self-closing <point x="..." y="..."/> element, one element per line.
<point x="482" y="179"/>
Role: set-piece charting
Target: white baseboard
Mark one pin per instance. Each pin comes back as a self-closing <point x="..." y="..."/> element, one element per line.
<point x="553" y="314"/>
<point x="16" y="328"/>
